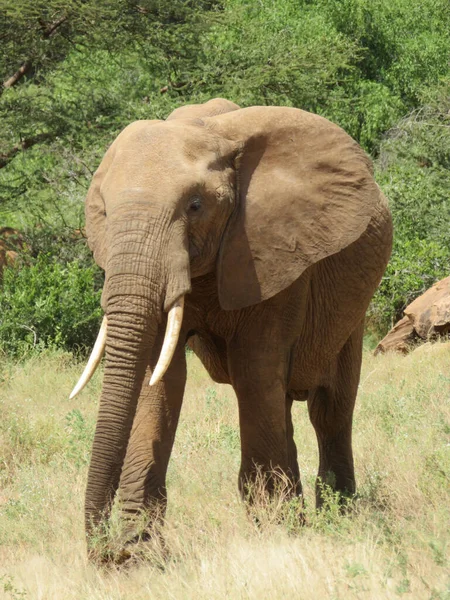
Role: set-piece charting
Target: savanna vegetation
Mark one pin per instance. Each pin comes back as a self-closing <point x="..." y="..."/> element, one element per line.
<point x="393" y="542"/>
<point x="73" y="74"/>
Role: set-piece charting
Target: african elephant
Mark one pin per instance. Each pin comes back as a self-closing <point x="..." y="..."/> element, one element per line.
<point x="258" y="236"/>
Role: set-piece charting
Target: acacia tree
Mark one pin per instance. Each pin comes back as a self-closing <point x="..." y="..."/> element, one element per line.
<point x="36" y="33"/>
<point x="55" y="94"/>
<point x="73" y="73"/>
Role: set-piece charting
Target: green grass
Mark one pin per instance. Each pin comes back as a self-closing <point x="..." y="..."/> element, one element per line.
<point x="394" y="543"/>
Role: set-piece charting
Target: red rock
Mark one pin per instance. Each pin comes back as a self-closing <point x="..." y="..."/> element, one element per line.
<point x="426" y="317"/>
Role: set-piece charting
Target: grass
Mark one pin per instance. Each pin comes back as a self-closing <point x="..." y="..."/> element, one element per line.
<point x="393" y="544"/>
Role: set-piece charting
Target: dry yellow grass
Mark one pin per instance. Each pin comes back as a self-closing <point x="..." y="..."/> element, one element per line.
<point x="394" y="543"/>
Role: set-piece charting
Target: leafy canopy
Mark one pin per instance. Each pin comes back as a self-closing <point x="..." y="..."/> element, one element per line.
<point x="75" y="73"/>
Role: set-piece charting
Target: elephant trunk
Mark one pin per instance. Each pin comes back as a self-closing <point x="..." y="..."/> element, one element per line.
<point x="139" y="284"/>
<point x="126" y="359"/>
<point x="174" y="322"/>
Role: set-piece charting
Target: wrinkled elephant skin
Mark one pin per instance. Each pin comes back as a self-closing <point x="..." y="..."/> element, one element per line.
<point x="268" y="222"/>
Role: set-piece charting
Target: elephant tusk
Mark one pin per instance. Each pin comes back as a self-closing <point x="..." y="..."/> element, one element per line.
<point x="174" y="321"/>
<point x="94" y="359"/>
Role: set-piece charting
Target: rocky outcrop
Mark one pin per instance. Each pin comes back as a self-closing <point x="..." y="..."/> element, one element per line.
<point x="426" y="318"/>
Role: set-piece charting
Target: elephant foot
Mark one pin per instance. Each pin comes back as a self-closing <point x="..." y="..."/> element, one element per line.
<point x="144" y="549"/>
<point x="139" y="550"/>
<point x="138" y="539"/>
<point x="273" y="498"/>
<point x="329" y="495"/>
<point x="289" y="514"/>
<point x="144" y="543"/>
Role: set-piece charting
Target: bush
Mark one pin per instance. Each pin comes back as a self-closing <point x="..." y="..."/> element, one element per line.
<point x="364" y="64"/>
<point x="413" y="170"/>
<point x="414" y="267"/>
<point x="48" y="304"/>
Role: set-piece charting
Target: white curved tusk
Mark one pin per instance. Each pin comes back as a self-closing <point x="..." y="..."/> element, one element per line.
<point x="174" y="321"/>
<point x="94" y="359"/>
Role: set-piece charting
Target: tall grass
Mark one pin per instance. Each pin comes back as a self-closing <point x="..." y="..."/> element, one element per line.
<point x="393" y="543"/>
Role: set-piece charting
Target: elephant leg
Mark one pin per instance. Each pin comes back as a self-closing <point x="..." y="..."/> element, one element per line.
<point x="143" y="479"/>
<point x="267" y="447"/>
<point x="331" y="412"/>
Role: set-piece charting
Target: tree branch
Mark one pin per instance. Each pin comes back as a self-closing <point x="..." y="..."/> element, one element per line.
<point x="23" y="70"/>
<point x="49" y="30"/>
<point x="24" y="145"/>
<point x="47" y="33"/>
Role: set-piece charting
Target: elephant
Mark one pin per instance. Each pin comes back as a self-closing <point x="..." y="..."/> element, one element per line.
<point x="257" y="236"/>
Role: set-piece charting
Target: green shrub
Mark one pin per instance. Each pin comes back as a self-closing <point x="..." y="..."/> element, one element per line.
<point x="48" y="304"/>
<point x="413" y="170"/>
<point x="364" y="64"/>
<point x="414" y="267"/>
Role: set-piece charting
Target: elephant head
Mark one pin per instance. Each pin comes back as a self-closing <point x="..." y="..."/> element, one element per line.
<point x="255" y="195"/>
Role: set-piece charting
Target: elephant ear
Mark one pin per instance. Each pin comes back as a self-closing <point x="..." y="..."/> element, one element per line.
<point x="305" y="191"/>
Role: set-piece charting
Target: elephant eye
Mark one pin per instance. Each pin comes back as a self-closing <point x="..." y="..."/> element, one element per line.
<point x="195" y="204"/>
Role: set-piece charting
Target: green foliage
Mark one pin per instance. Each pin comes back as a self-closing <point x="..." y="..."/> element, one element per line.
<point x="31" y="442"/>
<point x="50" y="30"/>
<point x="413" y="170"/>
<point x="91" y="68"/>
<point x="89" y="79"/>
<point x="404" y="43"/>
<point x="80" y="435"/>
<point x="291" y="56"/>
<point x="415" y="265"/>
<point x="47" y="304"/>
<point x="403" y="47"/>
